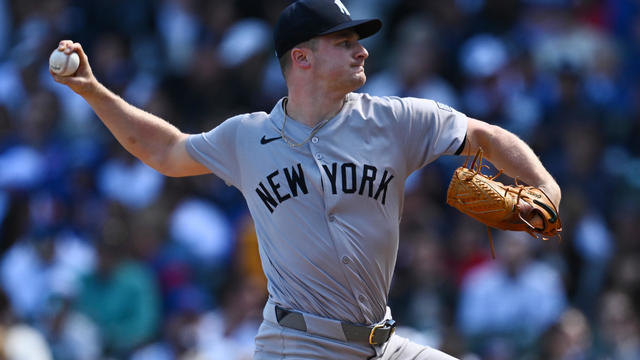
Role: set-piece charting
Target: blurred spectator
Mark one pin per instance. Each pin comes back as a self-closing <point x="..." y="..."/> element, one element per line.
<point x="29" y="159"/>
<point x="469" y="249"/>
<point x="12" y="91"/>
<point x="242" y="41"/>
<point x="625" y="274"/>
<point x="113" y="62"/>
<point x="51" y="264"/>
<point x="505" y="305"/>
<point x="228" y="331"/>
<point x="414" y="66"/>
<point x="18" y="340"/>
<point x="424" y="304"/>
<point x="618" y="321"/>
<point x="179" y="27"/>
<point x="482" y="58"/>
<point x="128" y="181"/>
<point x="120" y="296"/>
<point x="203" y="230"/>
<point x="570" y="338"/>
<point x="73" y="335"/>
<point x="595" y="247"/>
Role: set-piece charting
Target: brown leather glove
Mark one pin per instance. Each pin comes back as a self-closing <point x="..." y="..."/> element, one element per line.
<point x="500" y="206"/>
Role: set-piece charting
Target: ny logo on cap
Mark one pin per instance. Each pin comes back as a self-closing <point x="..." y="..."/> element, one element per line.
<point x="342" y="8"/>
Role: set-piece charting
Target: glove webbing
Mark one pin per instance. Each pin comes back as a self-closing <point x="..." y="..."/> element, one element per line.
<point x="476" y="166"/>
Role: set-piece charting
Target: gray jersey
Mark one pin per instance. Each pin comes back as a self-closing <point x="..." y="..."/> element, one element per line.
<point x="327" y="213"/>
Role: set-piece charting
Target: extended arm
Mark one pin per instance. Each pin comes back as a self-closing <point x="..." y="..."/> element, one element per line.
<point x="508" y="152"/>
<point x="154" y="141"/>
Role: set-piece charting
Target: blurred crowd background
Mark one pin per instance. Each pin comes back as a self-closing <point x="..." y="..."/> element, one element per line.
<point x="104" y="258"/>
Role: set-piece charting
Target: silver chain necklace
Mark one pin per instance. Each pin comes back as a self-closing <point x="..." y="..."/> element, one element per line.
<point x="290" y="141"/>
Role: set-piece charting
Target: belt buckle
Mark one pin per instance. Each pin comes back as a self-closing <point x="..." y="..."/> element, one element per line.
<point x="387" y="323"/>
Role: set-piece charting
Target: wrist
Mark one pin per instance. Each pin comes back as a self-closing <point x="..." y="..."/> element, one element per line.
<point x="552" y="190"/>
<point x="92" y="89"/>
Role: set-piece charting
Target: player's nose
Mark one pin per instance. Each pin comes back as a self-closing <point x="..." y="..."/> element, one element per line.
<point x="361" y="52"/>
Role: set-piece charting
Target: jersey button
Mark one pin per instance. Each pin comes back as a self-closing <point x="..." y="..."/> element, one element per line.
<point x="314" y="139"/>
<point x="318" y="156"/>
<point x="362" y="298"/>
<point x="346" y="260"/>
<point x="332" y="218"/>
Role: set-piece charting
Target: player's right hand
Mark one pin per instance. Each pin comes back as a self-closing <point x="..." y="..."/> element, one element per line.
<point x="83" y="81"/>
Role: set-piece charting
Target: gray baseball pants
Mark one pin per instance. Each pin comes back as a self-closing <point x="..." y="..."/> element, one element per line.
<point x="275" y="342"/>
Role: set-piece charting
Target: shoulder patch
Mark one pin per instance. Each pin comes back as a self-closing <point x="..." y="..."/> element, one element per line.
<point x="444" y="107"/>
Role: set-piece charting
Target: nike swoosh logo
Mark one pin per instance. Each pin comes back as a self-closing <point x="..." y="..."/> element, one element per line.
<point x="264" y="140"/>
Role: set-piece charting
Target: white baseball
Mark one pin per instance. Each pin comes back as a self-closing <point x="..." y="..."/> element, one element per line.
<point x="63" y="64"/>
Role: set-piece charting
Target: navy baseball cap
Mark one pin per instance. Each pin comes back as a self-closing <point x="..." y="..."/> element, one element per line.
<point x="306" y="19"/>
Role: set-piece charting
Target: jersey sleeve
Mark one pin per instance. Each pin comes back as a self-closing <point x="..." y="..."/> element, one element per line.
<point x="217" y="150"/>
<point x="429" y="129"/>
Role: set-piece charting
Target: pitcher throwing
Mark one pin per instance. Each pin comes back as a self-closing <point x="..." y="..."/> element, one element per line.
<point x="323" y="176"/>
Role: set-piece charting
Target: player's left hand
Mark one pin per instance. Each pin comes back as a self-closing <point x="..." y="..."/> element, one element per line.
<point x="507" y="207"/>
<point x="528" y="213"/>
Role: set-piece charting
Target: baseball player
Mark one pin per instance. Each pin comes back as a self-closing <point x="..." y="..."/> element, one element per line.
<point x="323" y="176"/>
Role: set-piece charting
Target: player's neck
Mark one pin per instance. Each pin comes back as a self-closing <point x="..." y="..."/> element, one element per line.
<point x="310" y="110"/>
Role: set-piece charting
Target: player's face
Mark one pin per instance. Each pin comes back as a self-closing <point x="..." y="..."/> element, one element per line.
<point x="339" y="60"/>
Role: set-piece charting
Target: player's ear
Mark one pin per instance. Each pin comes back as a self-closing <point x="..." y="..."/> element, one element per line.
<point x="301" y="57"/>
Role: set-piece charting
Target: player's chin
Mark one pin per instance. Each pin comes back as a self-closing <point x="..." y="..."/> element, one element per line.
<point x="360" y="77"/>
<point x="357" y="83"/>
<point x="354" y="81"/>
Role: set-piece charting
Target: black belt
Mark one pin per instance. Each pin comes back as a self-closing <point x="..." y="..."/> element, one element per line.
<point x="374" y="334"/>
